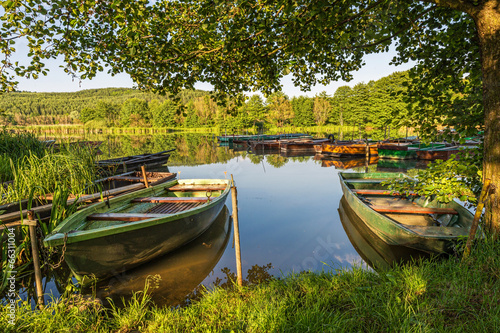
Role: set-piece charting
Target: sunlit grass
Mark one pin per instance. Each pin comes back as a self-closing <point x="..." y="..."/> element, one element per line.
<point x="435" y="295"/>
<point x="74" y="169"/>
<point x="15" y="146"/>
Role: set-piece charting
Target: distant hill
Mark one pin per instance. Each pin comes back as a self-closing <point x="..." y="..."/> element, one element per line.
<point x="29" y="104"/>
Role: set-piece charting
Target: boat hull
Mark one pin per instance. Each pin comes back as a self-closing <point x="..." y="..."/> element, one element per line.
<point x="404" y="151"/>
<point x="348" y="149"/>
<point x="306" y="146"/>
<point x="180" y="270"/>
<point x="397" y="154"/>
<point x="113" y="254"/>
<point x="430" y="239"/>
<point x="438" y="154"/>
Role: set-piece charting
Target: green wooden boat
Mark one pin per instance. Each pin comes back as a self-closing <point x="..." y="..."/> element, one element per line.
<point x="231" y="138"/>
<point x="372" y="249"/>
<point x="411" y="221"/>
<point x="112" y="236"/>
<point x="404" y="151"/>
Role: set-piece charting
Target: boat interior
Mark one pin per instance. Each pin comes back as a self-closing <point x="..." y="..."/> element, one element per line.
<point x="167" y="201"/>
<point x="410" y="210"/>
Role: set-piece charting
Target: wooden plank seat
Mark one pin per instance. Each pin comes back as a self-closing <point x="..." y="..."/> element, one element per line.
<point x="377" y="192"/>
<point x="368" y="181"/>
<point x="172" y="199"/>
<point x="128" y="217"/>
<point x="438" y="231"/>
<point x="414" y="210"/>
<point x="172" y="208"/>
<point x="130" y="179"/>
<point x="187" y="187"/>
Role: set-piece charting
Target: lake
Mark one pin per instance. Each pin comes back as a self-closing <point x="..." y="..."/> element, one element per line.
<point x="288" y="219"/>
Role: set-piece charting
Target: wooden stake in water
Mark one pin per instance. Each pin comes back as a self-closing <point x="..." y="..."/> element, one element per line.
<point x="475" y="221"/>
<point x="237" y="248"/>
<point x="143" y="169"/>
<point x="36" y="259"/>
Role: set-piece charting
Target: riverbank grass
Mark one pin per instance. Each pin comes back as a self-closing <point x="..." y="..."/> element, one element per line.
<point x="426" y="296"/>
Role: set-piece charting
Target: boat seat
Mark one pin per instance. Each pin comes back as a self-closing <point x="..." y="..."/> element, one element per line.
<point x="369" y="181"/>
<point x="188" y="187"/>
<point x="172" y="199"/>
<point x="438" y="231"/>
<point x="377" y="192"/>
<point x="130" y="178"/>
<point x="127" y="217"/>
<point x="414" y="210"/>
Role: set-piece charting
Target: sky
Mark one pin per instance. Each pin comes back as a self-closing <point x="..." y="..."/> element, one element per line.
<point x="377" y="66"/>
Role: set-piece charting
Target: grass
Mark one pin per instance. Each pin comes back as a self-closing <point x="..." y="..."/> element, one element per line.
<point x="427" y="296"/>
<point x="35" y="174"/>
<point x="15" y="146"/>
<point x="73" y="168"/>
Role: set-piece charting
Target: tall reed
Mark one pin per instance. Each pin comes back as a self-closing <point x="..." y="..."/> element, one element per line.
<point x="67" y="173"/>
<point x="72" y="168"/>
<point x="14" y="146"/>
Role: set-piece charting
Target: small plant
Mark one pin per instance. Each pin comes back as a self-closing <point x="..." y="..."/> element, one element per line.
<point x="60" y="208"/>
<point x="443" y="181"/>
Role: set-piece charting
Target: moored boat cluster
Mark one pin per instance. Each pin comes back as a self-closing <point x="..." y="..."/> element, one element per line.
<point x="299" y="143"/>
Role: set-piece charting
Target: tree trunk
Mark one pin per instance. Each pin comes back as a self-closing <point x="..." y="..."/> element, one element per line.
<point x="487" y="18"/>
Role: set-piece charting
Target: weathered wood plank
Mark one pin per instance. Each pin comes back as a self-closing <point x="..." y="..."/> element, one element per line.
<point x="171" y="199"/>
<point x="182" y="187"/>
<point x="130" y="179"/>
<point x="377" y="192"/>
<point x="128" y="217"/>
<point x="414" y="210"/>
<point x="370" y="181"/>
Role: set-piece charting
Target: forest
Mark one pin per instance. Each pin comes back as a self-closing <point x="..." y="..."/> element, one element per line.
<point x="376" y="103"/>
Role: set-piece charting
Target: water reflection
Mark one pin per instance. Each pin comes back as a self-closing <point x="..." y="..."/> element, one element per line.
<point x="393" y="165"/>
<point x="374" y="251"/>
<point x="172" y="277"/>
<point x="349" y="162"/>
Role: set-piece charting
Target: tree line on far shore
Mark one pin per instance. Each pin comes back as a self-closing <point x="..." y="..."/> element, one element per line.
<point x="376" y="103"/>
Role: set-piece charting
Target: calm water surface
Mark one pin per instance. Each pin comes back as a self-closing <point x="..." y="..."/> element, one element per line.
<point x="288" y="217"/>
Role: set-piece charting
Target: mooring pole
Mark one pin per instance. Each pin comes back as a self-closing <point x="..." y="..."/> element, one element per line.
<point x="143" y="169"/>
<point x="36" y="259"/>
<point x="475" y="222"/>
<point x="237" y="248"/>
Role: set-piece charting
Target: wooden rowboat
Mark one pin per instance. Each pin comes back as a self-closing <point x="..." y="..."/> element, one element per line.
<point x="371" y="248"/>
<point x="412" y="221"/>
<point x="129" y="163"/>
<point x="443" y="153"/>
<point x="265" y="144"/>
<point x="112" y="236"/>
<point x="305" y="145"/>
<point x="404" y="151"/>
<point x="348" y="163"/>
<point x="340" y="150"/>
